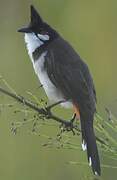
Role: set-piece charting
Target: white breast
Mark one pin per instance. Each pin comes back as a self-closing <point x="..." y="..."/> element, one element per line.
<point x="52" y="92"/>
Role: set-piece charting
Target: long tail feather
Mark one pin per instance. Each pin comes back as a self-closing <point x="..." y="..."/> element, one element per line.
<point x="89" y="143"/>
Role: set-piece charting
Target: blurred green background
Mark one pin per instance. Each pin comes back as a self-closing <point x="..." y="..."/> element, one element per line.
<point x="91" y="27"/>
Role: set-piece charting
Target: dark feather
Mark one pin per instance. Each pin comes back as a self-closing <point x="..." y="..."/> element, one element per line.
<point x="71" y="76"/>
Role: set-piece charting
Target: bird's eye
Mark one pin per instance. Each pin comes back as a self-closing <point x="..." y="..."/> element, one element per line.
<point x="44" y="32"/>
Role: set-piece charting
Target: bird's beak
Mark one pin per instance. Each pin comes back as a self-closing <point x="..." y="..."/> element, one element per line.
<point x="25" y="30"/>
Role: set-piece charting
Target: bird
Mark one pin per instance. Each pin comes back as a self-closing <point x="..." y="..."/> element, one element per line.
<point x="65" y="77"/>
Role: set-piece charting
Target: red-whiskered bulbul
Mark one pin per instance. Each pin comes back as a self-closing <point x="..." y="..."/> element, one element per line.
<point x="64" y="76"/>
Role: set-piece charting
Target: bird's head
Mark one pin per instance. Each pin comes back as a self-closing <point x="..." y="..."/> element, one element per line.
<point x="37" y="27"/>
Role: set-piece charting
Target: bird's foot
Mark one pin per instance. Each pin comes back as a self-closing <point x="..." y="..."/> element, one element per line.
<point x="53" y="105"/>
<point x="68" y="125"/>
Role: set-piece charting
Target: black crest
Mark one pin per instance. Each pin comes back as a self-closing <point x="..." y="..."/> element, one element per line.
<point x="35" y="17"/>
<point x="38" y="26"/>
<point x="35" y="22"/>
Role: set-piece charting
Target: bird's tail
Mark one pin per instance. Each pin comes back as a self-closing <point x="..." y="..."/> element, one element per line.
<point x="89" y="142"/>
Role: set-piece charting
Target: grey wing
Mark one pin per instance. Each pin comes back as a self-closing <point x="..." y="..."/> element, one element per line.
<point x="72" y="77"/>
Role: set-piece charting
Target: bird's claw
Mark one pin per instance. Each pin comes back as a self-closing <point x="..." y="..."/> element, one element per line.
<point x="68" y="125"/>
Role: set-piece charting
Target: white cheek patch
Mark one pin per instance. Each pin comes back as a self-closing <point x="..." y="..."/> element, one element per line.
<point x="32" y="42"/>
<point x="43" y="37"/>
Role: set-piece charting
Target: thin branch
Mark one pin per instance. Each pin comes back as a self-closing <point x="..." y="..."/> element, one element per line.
<point x="43" y="111"/>
<point x="22" y="100"/>
<point x="47" y="113"/>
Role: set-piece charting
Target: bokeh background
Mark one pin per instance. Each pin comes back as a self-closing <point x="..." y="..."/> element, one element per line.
<point x="91" y="27"/>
